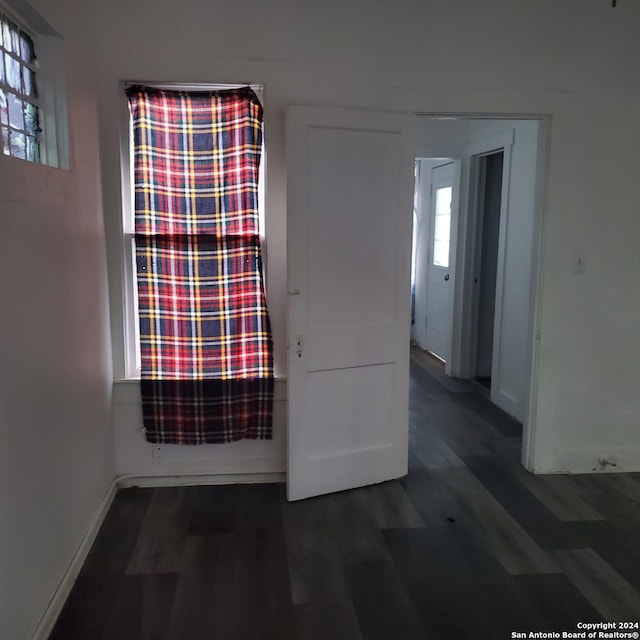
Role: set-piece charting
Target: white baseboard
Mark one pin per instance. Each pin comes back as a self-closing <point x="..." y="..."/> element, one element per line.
<point x="589" y="461"/>
<point x="180" y="480"/>
<point x="54" y="608"/>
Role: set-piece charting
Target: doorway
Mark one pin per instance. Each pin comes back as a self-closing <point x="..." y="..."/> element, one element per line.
<point x="349" y="313"/>
<point x="436" y="205"/>
<point x="489" y="210"/>
<point x="493" y="266"/>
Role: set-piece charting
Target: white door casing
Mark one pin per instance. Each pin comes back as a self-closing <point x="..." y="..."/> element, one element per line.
<point x="349" y="201"/>
<point x="502" y="142"/>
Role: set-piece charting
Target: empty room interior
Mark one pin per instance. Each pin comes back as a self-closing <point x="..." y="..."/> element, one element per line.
<point x="299" y="319"/>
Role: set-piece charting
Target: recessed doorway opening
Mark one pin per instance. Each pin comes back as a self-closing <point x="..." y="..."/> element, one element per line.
<point x="487" y="324"/>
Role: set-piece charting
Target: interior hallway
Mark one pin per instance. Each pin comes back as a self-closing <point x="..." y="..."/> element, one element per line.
<point x="468" y="545"/>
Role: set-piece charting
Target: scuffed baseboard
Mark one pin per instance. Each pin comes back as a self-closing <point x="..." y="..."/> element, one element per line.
<point x="601" y="460"/>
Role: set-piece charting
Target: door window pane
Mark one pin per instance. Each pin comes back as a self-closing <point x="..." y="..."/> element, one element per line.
<point x="442" y="227"/>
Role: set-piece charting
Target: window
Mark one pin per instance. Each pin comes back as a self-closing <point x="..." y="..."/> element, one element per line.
<point x="206" y="350"/>
<point x="132" y="359"/>
<point x="33" y="107"/>
<point x="442" y="231"/>
<point x="19" y="105"/>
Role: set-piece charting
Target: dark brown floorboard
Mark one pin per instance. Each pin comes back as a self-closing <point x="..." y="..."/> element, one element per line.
<point x="467" y="546"/>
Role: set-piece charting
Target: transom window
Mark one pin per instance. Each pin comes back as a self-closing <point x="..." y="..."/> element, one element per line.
<point x="19" y="106"/>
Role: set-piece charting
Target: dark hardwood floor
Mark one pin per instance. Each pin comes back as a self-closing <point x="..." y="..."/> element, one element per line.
<point x="467" y="546"/>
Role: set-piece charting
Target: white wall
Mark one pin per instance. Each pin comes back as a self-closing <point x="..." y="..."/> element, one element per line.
<point x="56" y="445"/>
<point x="513" y="58"/>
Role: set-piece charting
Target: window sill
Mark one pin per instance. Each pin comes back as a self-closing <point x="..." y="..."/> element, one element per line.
<point x="127" y="390"/>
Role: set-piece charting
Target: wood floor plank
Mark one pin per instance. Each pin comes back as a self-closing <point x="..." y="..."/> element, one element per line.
<point x="438" y="570"/>
<point x="627" y="484"/>
<point x="88" y="609"/>
<point x="426" y="385"/>
<point x="351" y="527"/>
<point x="322" y="533"/>
<point x="609" y="593"/>
<point x="435" y="370"/>
<point x="142" y="607"/>
<point x="557" y="602"/>
<point x="388" y="506"/>
<point x="235" y="586"/>
<point x="160" y="545"/>
<point x="504" y="485"/>
<point x="437" y="504"/>
<point x="316" y="572"/>
<point x="382" y="606"/>
<point x="459" y="434"/>
<point x="481" y="406"/>
<point x="203" y="604"/>
<point x="213" y="510"/>
<point x="328" y="621"/>
<point x="616" y="507"/>
<point x="557" y="495"/>
<point x="476" y="424"/>
<point x="118" y="535"/>
<point x="510" y="543"/>
<point x="616" y="543"/>
<point x="427" y="448"/>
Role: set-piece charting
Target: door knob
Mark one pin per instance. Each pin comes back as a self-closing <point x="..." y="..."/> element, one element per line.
<point x="446" y="278"/>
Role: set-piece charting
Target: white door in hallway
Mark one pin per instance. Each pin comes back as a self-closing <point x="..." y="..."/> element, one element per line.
<point x="441" y="268"/>
<point x="349" y="201"/>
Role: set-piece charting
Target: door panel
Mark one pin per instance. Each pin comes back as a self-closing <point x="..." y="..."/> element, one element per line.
<point x="350" y="179"/>
<point x="441" y="267"/>
<point x="337" y="247"/>
<point x="357" y="418"/>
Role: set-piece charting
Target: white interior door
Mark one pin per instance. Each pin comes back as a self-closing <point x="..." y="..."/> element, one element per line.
<point x="439" y="320"/>
<point x="350" y="184"/>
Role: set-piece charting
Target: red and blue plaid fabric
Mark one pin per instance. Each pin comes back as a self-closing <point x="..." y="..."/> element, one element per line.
<point x="205" y="339"/>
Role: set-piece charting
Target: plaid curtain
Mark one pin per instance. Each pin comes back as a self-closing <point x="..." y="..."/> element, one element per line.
<point x="205" y="340"/>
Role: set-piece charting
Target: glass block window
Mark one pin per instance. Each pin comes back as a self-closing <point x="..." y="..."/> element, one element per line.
<point x="19" y="107"/>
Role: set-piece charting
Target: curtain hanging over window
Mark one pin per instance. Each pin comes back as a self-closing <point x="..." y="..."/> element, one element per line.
<point x="205" y="339"/>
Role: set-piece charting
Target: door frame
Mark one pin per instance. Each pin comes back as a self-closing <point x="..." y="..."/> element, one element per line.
<point x="468" y="346"/>
<point x="458" y="151"/>
<point x="479" y="190"/>
<point x="462" y="320"/>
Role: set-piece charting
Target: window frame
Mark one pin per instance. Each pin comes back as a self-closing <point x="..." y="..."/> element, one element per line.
<point x="25" y="97"/>
<point x="49" y="72"/>
<point x="131" y="327"/>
